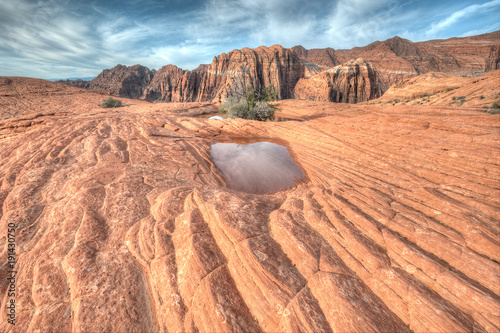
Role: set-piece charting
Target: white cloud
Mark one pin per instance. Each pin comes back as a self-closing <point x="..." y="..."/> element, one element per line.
<point x="361" y="22"/>
<point x="455" y="17"/>
<point x="62" y="38"/>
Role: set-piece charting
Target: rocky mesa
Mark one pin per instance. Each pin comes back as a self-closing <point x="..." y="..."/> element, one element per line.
<point x="122" y="221"/>
<point x="306" y="74"/>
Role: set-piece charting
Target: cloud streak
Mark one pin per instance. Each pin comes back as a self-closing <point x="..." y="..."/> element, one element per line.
<point x="459" y="15"/>
<point x="68" y="38"/>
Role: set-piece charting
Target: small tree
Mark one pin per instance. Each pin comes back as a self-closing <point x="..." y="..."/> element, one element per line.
<point x="110" y="102"/>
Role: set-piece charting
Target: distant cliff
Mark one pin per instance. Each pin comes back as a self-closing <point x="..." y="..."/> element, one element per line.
<point x="317" y="74"/>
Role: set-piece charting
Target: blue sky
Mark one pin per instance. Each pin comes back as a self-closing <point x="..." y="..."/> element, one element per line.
<point x="72" y="38"/>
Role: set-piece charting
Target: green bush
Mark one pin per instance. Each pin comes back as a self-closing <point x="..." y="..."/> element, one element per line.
<point x="264" y="111"/>
<point x="495" y="108"/>
<point x="481" y="97"/>
<point x="235" y="109"/>
<point x="110" y="102"/>
<point x="252" y="104"/>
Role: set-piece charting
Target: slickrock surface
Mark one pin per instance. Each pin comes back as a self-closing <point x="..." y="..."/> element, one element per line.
<point x="125" y="225"/>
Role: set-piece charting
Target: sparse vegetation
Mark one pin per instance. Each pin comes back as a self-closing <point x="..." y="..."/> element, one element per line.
<point x="111" y="102"/>
<point x="451" y="88"/>
<point x="495" y="108"/>
<point x="246" y="101"/>
<point x="481" y="97"/>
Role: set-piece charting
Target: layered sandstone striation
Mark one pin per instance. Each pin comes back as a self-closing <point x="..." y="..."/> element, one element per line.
<point x="262" y="67"/>
<point x="123" y="223"/>
<point x="398" y="58"/>
<point x="445" y="89"/>
<point x="395" y="59"/>
<point x="355" y="81"/>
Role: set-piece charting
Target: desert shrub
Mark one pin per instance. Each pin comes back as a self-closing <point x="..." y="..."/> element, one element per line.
<point x="264" y="111"/>
<point x="250" y="103"/>
<point x="481" y="97"/>
<point x="454" y="98"/>
<point x="261" y="111"/>
<point x="462" y="98"/>
<point x="495" y="108"/>
<point x="236" y="109"/>
<point x="111" y="102"/>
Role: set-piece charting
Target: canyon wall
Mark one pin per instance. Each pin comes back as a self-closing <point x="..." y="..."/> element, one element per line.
<point x="317" y="74"/>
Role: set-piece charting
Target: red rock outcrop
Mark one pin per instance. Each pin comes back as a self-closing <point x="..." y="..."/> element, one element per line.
<point x="399" y="58"/>
<point x="123" y="81"/>
<point x="77" y="83"/>
<point x="262" y="67"/>
<point x="325" y="58"/>
<point x="493" y="61"/>
<point x="355" y="81"/>
<point x="123" y="223"/>
<point x="172" y="84"/>
<point x="395" y="59"/>
<point x="445" y="89"/>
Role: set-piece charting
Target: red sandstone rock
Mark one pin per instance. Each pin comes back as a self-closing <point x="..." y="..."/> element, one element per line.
<point x="123" y="81"/>
<point x="262" y="67"/>
<point x="123" y="223"/>
<point x="355" y="81"/>
<point x="445" y="89"/>
<point x="399" y="58"/>
<point x="395" y="59"/>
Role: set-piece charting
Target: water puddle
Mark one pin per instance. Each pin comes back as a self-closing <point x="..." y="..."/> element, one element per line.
<point x="259" y="168"/>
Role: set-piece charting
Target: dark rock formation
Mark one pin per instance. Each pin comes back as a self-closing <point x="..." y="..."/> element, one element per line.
<point x="77" y="83"/>
<point x="123" y="81"/>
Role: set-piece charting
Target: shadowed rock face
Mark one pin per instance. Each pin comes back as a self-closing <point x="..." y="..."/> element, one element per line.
<point x="259" y="168"/>
<point x="123" y="222"/>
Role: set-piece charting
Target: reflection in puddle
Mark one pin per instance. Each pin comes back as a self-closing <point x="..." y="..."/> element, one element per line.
<point x="261" y="167"/>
